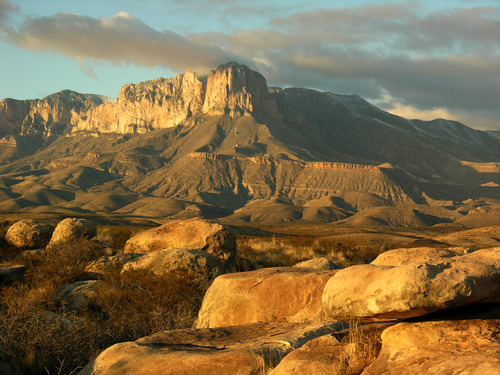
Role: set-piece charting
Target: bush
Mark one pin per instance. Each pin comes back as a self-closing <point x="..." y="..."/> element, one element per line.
<point x="38" y="335"/>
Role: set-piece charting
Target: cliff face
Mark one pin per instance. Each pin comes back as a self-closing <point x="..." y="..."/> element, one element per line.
<point x="53" y="115"/>
<point x="151" y="105"/>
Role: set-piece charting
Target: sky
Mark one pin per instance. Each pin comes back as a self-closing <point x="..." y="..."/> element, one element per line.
<point x="418" y="59"/>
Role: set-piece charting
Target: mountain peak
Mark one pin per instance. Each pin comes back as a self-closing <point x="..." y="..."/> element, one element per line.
<point x="235" y="89"/>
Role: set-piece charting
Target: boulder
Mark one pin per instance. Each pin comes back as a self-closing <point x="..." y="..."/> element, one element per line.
<point x="246" y="349"/>
<point x="10" y="273"/>
<point x="439" y="347"/>
<point x="266" y="295"/>
<point x="72" y="229"/>
<point x="194" y="262"/>
<point x="29" y="234"/>
<point x="107" y="263"/>
<point x="398" y="257"/>
<point x="413" y="289"/>
<point x="197" y="234"/>
<point x="79" y="296"/>
<point x="318" y="264"/>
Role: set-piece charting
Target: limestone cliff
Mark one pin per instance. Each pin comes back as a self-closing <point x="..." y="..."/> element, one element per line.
<point x="53" y="115"/>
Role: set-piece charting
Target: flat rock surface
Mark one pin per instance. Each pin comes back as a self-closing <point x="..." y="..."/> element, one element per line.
<point x="245" y="349"/>
<point x="398" y="257"/>
<point x="413" y="289"/>
<point x="440" y="347"/>
<point x="266" y="295"/>
<point x="10" y="272"/>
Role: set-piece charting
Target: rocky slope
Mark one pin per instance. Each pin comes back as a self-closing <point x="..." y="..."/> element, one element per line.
<point x="226" y="144"/>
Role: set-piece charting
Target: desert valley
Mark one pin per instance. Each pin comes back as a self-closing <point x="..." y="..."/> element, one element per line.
<point x="215" y="225"/>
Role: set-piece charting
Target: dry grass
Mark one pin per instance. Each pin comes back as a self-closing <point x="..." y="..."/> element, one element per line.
<point x="38" y="335"/>
<point x="283" y="251"/>
<point x="361" y="348"/>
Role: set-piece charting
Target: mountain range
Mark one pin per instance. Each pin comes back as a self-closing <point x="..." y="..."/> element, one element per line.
<point x="229" y="146"/>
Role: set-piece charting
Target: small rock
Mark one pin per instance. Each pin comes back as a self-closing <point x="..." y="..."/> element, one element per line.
<point x="29" y="234"/>
<point x="318" y="264"/>
<point x="79" y="296"/>
<point x="10" y="273"/>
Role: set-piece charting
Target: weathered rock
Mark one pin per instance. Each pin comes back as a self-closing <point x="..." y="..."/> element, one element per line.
<point x="107" y="263"/>
<point x="198" y="234"/>
<point x="318" y="264"/>
<point x="439" y="347"/>
<point x="265" y="295"/>
<point x="10" y="273"/>
<point x="29" y="234"/>
<point x="247" y="349"/>
<point x="413" y="289"/>
<point x="398" y="257"/>
<point x="193" y="262"/>
<point x="79" y="296"/>
<point x="72" y="229"/>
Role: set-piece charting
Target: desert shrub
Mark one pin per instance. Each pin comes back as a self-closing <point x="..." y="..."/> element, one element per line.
<point x="137" y="303"/>
<point x="65" y="263"/>
<point x="38" y="335"/>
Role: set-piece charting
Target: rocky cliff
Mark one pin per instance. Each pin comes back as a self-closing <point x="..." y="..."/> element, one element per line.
<point x="226" y="144"/>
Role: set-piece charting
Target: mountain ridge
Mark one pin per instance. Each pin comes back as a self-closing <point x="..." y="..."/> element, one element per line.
<point x="226" y="144"/>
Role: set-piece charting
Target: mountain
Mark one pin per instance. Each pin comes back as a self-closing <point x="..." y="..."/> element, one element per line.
<point x="228" y="146"/>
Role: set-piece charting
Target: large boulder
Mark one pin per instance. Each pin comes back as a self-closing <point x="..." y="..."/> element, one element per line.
<point x="413" y="289"/>
<point x="439" y="347"/>
<point x="398" y="257"/>
<point x="79" y="296"/>
<point x="197" y="234"/>
<point x="247" y="349"/>
<point x="193" y="262"/>
<point x="266" y="295"/>
<point x="72" y="229"/>
<point x="29" y="234"/>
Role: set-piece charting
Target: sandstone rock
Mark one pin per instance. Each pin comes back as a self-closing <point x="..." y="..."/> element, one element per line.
<point x="10" y="273"/>
<point x="439" y="347"/>
<point x="265" y="295"/>
<point x="198" y="234"/>
<point x="29" y="234"/>
<point x="398" y="257"/>
<point x="107" y="263"/>
<point x="72" y="229"/>
<point x="79" y="296"/>
<point x="413" y="289"/>
<point x="318" y="264"/>
<point x="247" y="349"/>
<point x="194" y="262"/>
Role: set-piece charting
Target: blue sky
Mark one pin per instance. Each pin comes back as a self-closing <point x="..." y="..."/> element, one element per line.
<point x="418" y="59"/>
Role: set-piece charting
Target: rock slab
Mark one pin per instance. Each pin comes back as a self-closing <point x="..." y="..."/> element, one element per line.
<point x="246" y="349"/>
<point x="439" y="347"/>
<point x="267" y="295"/>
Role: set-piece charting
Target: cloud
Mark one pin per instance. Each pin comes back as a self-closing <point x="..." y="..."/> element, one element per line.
<point x="121" y="38"/>
<point x="5" y="9"/>
<point x="432" y="63"/>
